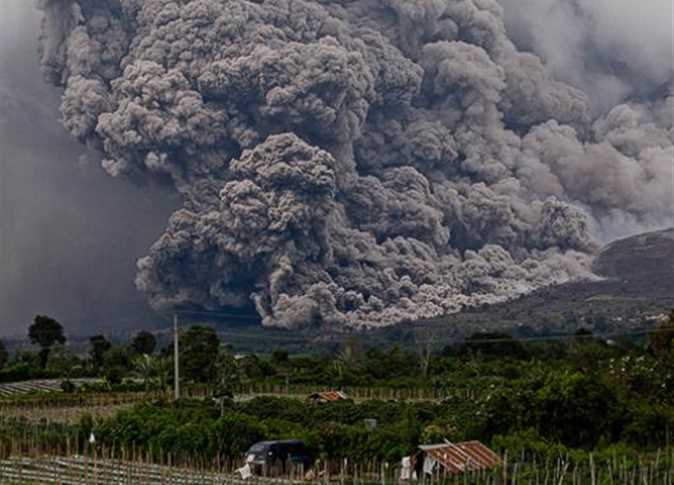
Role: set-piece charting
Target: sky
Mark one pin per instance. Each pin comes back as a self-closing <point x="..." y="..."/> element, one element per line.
<point x="69" y="234"/>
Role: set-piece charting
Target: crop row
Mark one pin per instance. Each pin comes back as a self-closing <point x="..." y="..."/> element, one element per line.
<point x="81" y="470"/>
<point x="44" y="385"/>
<point x="87" y="470"/>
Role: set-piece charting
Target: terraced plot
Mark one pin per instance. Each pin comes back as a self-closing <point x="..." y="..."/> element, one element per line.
<point x="45" y="385"/>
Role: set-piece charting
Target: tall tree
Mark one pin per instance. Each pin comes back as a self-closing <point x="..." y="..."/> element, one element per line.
<point x="4" y="355"/>
<point x="198" y="354"/>
<point x="346" y="360"/>
<point x="99" y="346"/>
<point x="144" y="343"/>
<point x="45" y="332"/>
<point x="228" y="375"/>
<point x="425" y="341"/>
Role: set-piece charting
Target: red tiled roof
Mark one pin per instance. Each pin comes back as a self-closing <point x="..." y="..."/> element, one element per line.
<point x="462" y="457"/>
<point x="329" y="396"/>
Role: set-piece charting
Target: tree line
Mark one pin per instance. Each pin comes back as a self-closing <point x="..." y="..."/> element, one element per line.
<point x="580" y="393"/>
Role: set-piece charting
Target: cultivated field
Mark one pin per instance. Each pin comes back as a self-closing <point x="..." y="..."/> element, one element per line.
<point x="89" y="471"/>
<point x="62" y="414"/>
<point x="45" y="385"/>
<point x="59" y="407"/>
<point x="79" y="470"/>
<point x="69" y="408"/>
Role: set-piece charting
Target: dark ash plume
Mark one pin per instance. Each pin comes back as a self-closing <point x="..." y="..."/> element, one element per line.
<point x="352" y="163"/>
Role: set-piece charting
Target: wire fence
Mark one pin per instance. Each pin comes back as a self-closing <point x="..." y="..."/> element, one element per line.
<point x="107" y="466"/>
<point x="48" y="452"/>
<point x="83" y="401"/>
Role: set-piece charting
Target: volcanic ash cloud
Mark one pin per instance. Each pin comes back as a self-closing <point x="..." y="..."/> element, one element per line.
<point x="352" y="163"/>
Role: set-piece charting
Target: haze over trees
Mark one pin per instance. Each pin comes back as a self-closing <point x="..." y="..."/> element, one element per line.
<point x="99" y="346"/>
<point x="45" y="332"/>
<point x="144" y="343"/>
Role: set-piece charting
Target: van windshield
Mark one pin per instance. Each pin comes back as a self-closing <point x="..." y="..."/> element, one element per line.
<point x="259" y="448"/>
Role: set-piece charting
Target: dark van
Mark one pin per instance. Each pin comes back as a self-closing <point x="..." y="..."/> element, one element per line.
<point x="267" y="457"/>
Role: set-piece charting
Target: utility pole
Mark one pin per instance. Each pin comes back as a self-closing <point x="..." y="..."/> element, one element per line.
<point x="176" y="358"/>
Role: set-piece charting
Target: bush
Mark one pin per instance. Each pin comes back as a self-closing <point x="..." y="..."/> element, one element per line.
<point x="650" y="425"/>
<point x="68" y="387"/>
<point x="577" y="410"/>
<point x="23" y="372"/>
<point x="114" y="375"/>
<point x="4" y="355"/>
<point x="497" y="345"/>
<point x="234" y="433"/>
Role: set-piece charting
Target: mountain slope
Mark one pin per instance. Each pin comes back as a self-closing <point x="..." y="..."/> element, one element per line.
<point x="644" y="263"/>
<point x="638" y="286"/>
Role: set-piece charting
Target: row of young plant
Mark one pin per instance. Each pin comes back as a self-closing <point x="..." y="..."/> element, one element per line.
<point x="210" y="443"/>
<point x="100" y="468"/>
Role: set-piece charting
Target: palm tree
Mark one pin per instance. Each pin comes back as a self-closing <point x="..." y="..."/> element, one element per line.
<point x="346" y="360"/>
<point x="228" y="379"/>
<point x="425" y="340"/>
<point x="152" y="369"/>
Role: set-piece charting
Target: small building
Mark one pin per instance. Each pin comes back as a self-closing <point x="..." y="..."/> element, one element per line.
<point x="328" y="396"/>
<point x="437" y="461"/>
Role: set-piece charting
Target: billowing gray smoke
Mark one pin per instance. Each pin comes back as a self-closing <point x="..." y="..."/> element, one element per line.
<point x="609" y="48"/>
<point x="352" y="162"/>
